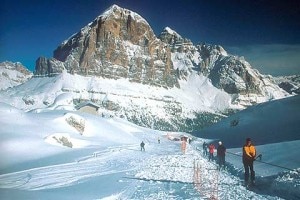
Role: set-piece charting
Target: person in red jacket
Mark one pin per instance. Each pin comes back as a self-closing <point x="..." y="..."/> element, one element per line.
<point x="249" y="153"/>
<point x="211" y="148"/>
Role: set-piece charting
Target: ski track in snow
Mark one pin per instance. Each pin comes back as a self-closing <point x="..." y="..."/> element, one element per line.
<point x="63" y="175"/>
<point x="162" y="172"/>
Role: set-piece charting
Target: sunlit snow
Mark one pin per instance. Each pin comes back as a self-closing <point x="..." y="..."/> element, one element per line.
<point x="105" y="161"/>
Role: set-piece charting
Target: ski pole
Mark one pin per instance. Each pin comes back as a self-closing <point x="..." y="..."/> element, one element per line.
<point x="260" y="157"/>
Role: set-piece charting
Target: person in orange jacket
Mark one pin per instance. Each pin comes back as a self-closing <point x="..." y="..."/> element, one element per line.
<point x="249" y="153"/>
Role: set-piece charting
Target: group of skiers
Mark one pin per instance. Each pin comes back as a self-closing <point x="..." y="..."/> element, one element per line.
<point x="221" y="150"/>
<point x="249" y="155"/>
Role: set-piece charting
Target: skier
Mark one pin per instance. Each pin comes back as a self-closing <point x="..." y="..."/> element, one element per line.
<point x="221" y="155"/>
<point x="183" y="146"/>
<point x="249" y="153"/>
<point x="205" y="146"/>
<point x="211" y="148"/>
<point x="142" y="146"/>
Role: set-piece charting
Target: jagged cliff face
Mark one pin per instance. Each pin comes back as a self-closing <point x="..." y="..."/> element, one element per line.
<point x="235" y="76"/>
<point x="117" y="44"/>
<point x="229" y="73"/>
<point x="49" y="67"/>
<point x="121" y="44"/>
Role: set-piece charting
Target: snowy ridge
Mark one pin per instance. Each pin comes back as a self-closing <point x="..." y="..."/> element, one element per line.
<point x="65" y="91"/>
<point x="172" y="32"/>
<point x="109" y="13"/>
<point x="289" y="83"/>
<point x="111" y="10"/>
<point x="13" y="74"/>
<point x="119" y="50"/>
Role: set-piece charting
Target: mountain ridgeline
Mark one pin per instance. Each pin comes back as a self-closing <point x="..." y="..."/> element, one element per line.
<point x="172" y="83"/>
<point x="121" y="44"/>
<point x="117" y="44"/>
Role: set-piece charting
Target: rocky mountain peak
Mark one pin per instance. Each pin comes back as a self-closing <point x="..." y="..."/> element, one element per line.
<point x="116" y="12"/>
<point x="209" y="49"/>
<point x="125" y="25"/>
<point x="169" y="33"/>
<point x="176" y="42"/>
<point x="121" y="44"/>
<point x="117" y="44"/>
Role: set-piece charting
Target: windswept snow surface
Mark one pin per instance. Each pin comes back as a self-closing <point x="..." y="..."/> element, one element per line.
<point x="105" y="162"/>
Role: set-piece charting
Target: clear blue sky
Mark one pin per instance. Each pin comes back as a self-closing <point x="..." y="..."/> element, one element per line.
<point x="266" y="33"/>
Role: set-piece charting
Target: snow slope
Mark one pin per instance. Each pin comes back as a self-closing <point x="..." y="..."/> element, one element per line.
<point x="273" y="126"/>
<point x="42" y="92"/>
<point x="271" y="122"/>
<point x="105" y="162"/>
<point x="165" y="108"/>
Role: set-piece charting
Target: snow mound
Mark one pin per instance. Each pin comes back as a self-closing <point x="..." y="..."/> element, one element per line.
<point x="65" y="140"/>
<point x="63" y="99"/>
<point x="76" y="121"/>
<point x="288" y="183"/>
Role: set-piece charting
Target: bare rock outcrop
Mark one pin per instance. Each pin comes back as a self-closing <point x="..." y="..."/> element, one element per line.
<point x="121" y="44"/>
<point x="117" y="44"/>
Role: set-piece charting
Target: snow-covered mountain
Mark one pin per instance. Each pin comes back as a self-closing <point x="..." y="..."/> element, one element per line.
<point x="121" y="44"/>
<point x="291" y="84"/>
<point x="13" y="74"/>
<point x="164" y="82"/>
<point x="229" y="73"/>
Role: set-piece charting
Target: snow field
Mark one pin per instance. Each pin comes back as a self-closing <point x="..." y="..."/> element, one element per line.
<point x="107" y="162"/>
